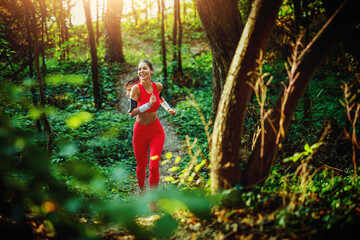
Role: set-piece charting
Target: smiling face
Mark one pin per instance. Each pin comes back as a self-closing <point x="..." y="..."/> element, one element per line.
<point x="144" y="71"/>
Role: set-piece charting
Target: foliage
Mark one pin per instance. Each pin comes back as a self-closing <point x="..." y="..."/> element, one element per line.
<point x="88" y="183"/>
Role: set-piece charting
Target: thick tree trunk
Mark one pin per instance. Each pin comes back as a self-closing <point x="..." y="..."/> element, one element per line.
<point x="222" y="24"/>
<point x="229" y="123"/>
<point x="94" y="57"/>
<point x="313" y="55"/>
<point x="113" y="41"/>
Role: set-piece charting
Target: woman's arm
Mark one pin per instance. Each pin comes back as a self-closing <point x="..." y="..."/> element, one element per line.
<point x="163" y="102"/>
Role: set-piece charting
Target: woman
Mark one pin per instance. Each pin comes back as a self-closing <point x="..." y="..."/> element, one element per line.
<point x="145" y="99"/>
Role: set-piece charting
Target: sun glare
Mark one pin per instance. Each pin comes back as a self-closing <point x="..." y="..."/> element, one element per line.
<point x="78" y="15"/>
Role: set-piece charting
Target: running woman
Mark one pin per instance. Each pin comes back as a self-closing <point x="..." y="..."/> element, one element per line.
<point x="145" y="99"/>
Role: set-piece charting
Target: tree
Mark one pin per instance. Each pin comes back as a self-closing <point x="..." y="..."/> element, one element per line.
<point x="229" y="123"/>
<point x="177" y="38"/>
<point x="134" y="11"/>
<point x="94" y="57"/>
<point x="230" y="118"/>
<point x="302" y="24"/>
<point x="97" y="23"/>
<point x="222" y="25"/>
<point x="41" y="83"/>
<point x="304" y="68"/>
<point x="163" y="45"/>
<point x="113" y="37"/>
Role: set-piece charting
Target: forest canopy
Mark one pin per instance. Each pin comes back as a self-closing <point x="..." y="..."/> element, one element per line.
<point x="264" y="143"/>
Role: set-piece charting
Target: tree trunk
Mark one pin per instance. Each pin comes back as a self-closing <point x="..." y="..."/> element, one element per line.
<point x="163" y="45"/>
<point x="41" y="83"/>
<point x="43" y="34"/>
<point x="31" y="59"/>
<point x="313" y="55"/>
<point x="94" y="57"/>
<point x="174" y="40"/>
<point x="229" y="123"/>
<point x="97" y="23"/>
<point x="222" y="24"/>
<point x="179" y="62"/>
<point x="62" y="31"/>
<point x="301" y="23"/>
<point x="184" y="11"/>
<point x="146" y="12"/>
<point x="113" y="41"/>
<point x="159" y="10"/>
<point x="134" y="12"/>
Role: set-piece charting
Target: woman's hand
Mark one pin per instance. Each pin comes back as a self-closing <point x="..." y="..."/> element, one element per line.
<point x="172" y="111"/>
<point x="152" y="100"/>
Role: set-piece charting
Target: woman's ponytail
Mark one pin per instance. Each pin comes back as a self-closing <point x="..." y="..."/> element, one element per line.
<point x="128" y="85"/>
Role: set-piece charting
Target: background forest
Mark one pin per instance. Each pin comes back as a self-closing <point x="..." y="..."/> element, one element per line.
<point x="264" y="144"/>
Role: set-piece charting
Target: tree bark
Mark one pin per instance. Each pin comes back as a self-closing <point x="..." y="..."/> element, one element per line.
<point x="113" y="37"/>
<point x="43" y="34"/>
<point x="302" y="26"/>
<point x="174" y="40"/>
<point x="94" y="57"/>
<point x="229" y="123"/>
<point x="34" y="30"/>
<point x="222" y="24"/>
<point x="163" y="45"/>
<point x="313" y="55"/>
<point x="179" y="42"/>
<point x="97" y="23"/>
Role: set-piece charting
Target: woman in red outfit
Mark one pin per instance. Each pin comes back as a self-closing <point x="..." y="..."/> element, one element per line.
<point x="145" y="99"/>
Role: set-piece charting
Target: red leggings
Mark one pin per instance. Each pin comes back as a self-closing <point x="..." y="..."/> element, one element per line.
<point x="148" y="136"/>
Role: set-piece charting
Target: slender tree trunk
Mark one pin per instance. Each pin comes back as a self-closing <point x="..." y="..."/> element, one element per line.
<point x="184" y="11"/>
<point x="43" y="34"/>
<point x="69" y="6"/>
<point x="94" y="57"/>
<point x="31" y="59"/>
<point x="163" y="44"/>
<point x="174" y="40"/>
<point x="159" y="10"/>
<point x="222" y="24"/>
<point x="302" y="27"/>
<point x="97" y="23"/>
<point x="41" y="83"/>
<point x="146" y="12"/>
<point x="134" y="12"/>
<point x="313" y="55"/>
<point x="179" y="42"/>
<point x="62" y="30"/>
<point x="230" y="118"/>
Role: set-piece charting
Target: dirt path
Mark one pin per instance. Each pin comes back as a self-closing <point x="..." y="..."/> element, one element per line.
<point x="172" y="144"/>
